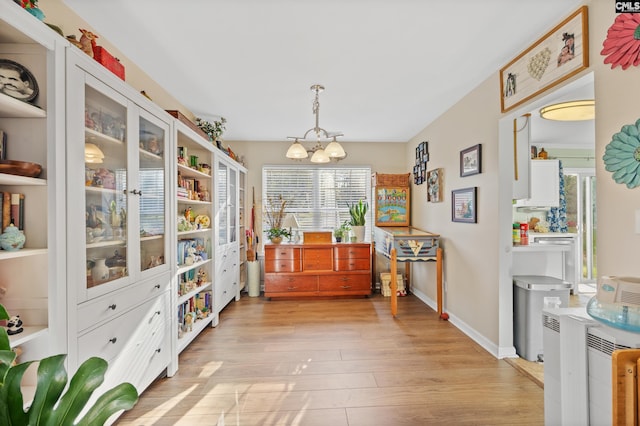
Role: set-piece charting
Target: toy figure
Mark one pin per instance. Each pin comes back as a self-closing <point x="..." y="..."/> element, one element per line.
<point x="188" y="322"/>
<point x="14" y="325"/>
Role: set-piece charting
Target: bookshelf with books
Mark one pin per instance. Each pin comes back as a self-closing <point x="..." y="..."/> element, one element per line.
<point x="32" y="191"/>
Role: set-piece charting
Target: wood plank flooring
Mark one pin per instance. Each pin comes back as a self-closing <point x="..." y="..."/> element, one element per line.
<point x="339" y="363"/>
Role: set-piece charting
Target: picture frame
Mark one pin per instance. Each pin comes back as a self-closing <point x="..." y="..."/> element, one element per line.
<point x="471" y="161"/>
<point x="393" y="205"/>
<point x="420" y="167"/>
<point x="558" y="55"/>
<point x="464" y="205"/>
<point x="434" y="185"/>
<point x="23" y="84"/>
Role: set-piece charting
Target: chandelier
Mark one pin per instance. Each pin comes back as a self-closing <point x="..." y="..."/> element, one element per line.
<point x="319" y="154"/>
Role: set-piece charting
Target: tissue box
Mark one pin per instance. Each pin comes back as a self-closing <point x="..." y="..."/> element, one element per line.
<point x="101" y="55"/>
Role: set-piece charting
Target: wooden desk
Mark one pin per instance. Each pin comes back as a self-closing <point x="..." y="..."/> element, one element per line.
<point x="408" y="244"/>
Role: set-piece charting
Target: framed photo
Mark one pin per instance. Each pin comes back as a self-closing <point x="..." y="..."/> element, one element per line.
<point x="434" y="185"/>
<point x="471" y="161"/>
<point x="18" y="82"/>
<point x="463" y="205"/>
<point x="392" y="206"/>
<point x="420" y="168"/>
<point x="557" y="56"/>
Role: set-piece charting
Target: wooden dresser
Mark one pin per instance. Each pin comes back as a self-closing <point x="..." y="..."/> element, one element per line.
<point x="313" y="270"/>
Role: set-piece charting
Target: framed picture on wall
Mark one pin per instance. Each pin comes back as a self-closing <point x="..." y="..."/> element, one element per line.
<point x="464" y="205"/>
<point x="393" y="205"/>
<point x="434" y="185"/>
<point x="471" y="161"/>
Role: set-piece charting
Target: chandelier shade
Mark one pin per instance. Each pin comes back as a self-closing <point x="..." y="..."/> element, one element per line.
<point x="319" y="154"/>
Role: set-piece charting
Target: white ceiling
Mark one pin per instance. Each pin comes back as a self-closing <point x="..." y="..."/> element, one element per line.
<point x="390" y="67"/>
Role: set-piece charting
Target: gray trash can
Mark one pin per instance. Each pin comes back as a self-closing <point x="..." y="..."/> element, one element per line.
<point x="529" y="292"/>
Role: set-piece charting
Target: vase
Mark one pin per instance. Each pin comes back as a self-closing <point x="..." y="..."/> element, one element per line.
<point x="275" y="240"/>
<point x="12" y="239"/>
<point x="358" y="231"/>
<point x="100" y="271"/>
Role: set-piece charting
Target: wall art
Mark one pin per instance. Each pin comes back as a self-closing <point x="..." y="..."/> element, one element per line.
<point x="622" y="46"/>
<point x="557" y="56"/>
<point x="434" y="185"/>
<point x="420" y="167"/>
<point x="471" y="161"/>
<point x="463" y="205"/>
<point x="622" y="155"/>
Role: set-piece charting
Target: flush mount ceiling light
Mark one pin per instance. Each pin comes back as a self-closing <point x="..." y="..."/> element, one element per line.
<point x="570" y="111"/>
<point x="320" y="154"/>
<point x="92" y="154"/>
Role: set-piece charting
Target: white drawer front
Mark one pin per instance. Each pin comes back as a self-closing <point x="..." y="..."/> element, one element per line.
<point x="114" y="304"/>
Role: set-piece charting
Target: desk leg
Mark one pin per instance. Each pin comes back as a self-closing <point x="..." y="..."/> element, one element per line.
<point x="443" y="315"/>
<point x="394" y="282"/>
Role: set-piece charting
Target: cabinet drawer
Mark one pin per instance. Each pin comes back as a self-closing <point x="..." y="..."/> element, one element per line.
<point x="352" y="264"/>
<point x="113" y="304"/>
<point x="282" y="253"/>
<point x="124" y="334"/>
<point x="290" y="283"/>
<point x="282" y="265"/>
<point x="351" y="252"/>
<point x="317" y="259"/>
<point x="345" y="283"/>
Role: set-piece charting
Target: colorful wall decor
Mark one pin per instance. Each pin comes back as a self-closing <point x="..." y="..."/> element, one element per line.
<point x="622" y="45"/>
<point x="622" y="155"/>
<point x="420" y="168"/>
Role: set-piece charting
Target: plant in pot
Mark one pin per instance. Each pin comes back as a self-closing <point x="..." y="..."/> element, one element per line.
<point x="342" y="231"/>
<point x="275" y="211"/>
<point x="50" y="406"/>
<point x="358" y="213"/>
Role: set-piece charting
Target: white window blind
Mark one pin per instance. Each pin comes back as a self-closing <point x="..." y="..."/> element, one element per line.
<point x="318" y="196"/>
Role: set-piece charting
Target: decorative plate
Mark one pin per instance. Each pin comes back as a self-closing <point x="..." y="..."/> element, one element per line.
<point x="203" y="221"/>
<point x="622" y="155"/>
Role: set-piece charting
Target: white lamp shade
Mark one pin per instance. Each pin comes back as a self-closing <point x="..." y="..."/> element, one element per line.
<point x="335" y="150"/>
<point x="290" y="221"/>
<point x="92" y="154"/>
<point x="320" y="157"/>
<point x="297" y="151"/>
<point x="569" y="111"/>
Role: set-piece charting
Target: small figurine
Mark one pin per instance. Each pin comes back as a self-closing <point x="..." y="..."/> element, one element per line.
<point x="14" y="325"/>
<point x="191" y="256"/>
<point x="188" y="322"/>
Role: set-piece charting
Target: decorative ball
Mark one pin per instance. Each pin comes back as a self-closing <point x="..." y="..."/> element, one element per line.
<point x="12" y="239"/>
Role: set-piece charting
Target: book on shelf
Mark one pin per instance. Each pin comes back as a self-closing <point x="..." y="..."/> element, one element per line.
<point x="3" y="145"/>
<point x="12" y="210"/>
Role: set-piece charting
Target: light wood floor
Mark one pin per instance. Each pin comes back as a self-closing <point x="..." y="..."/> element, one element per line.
<point x="338" y="363"/>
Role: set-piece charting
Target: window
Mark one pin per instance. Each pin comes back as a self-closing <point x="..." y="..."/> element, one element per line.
<point x="318" y="196"/>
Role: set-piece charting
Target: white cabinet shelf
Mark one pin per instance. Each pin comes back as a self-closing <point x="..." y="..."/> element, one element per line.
<point x="21" y="253"/>
<point x="7" y="179"/>
<point x="14" y="108"/>
<point x="29" y="333"/>
<point x="188" y="336"/>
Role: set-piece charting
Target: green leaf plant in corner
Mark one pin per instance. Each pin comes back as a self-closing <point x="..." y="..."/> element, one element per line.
<point x="50" y="406"/>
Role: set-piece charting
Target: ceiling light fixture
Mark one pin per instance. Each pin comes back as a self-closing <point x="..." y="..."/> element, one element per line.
<point x="320" y="154"/>
<point x="570" y="111"/>
<point x="92" y="154"/>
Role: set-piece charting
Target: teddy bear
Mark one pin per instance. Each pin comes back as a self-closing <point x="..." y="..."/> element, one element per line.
<point x="14" y="325"/>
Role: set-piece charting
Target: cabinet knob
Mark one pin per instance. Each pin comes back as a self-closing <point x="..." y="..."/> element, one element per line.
<point x="113" y="339"/>
<point x="291" y="288"/>
<point x="159" y="350"/>
<point x="346" y="287"/>
<point x="157" y="286"/>
<point x="136" y="192"/>
<point x="345" y="278"/>
<point x="112" y="307"/>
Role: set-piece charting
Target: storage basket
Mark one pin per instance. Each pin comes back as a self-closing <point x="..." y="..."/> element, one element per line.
<point x="385" y="278"/>
<point x="401" y="180"/>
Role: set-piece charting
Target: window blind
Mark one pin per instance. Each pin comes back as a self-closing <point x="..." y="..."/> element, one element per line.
<point x="318" y="196"/>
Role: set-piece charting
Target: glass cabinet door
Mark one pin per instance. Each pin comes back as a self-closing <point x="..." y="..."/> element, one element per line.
<point x="233" y="204"/>
<point x="151" y="193"/>
<point x="223" y="212"/>
<point x="105" y="183"/>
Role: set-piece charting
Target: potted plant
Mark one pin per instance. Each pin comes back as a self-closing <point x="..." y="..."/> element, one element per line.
<point x="213" y="130"/>
<point x="50" y="405"/>
<point x="342" y="231"/>
<point x="358" y="212"/>
<point x="274" y="214"/>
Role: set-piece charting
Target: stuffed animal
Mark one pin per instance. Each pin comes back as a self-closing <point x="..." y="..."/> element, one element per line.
<point x="191" y="256"/>
<point x="14" y="325"/>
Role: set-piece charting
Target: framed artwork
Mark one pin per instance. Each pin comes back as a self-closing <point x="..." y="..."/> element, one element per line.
<point x="463" y="205"/>
<point x="18" y="82"/>
<point x="392" y="206"/>
<point x="471" y="161"/>
<point x="434" y="185"/>
<point x="420" y="167"/>
<point x="558" y="55"/>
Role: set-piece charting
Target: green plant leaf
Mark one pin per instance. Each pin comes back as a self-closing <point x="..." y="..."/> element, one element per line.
<point x="88" y="378"/>
<point x="3" y="313"/>
<point x="52" y="378"/>
<point x="11" y="402"/>
<point x="122" y="397"/>
<point x="5" y="345"/>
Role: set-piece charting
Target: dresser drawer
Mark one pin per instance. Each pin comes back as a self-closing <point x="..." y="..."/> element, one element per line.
<point x="113" y="304"/>
<point x="317" y="259"/>
<point x="282" y="253"/>
<point x="123" y="335"/>
<point x="347" y="252"/>
<point x="345" y="283"/>
<point x="282" y="266"/>
<point x="352" y="264"/>
<point x="290" y="283"/>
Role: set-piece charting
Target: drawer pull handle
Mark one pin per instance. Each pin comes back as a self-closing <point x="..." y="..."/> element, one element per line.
<point x="156" y="286"/>
<point x="113" y="307"/>
<point x="156" y="313"/>
<point x="345" y="278"/>
<point x="159" y="350"/>
<point x="346" y="287"/>
<point x="113" y="339"/>
<point x="291" y="288"/>
<point x="136" y="192"/>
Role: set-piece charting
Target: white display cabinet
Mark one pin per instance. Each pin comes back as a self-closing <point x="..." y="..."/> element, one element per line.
<point x="117" y="209"/>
